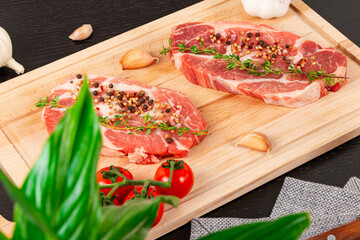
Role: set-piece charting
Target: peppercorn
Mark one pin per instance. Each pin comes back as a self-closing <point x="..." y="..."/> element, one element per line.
<point x="150" y="102"/>
<point x="228" y="42"/>
<point x="266" y="45"/>
<point x="249" y="34"/>
<point x="169" y="140"/>
<point x="101" y="99"/>
<point x="274" y="55"/>
<point x="147" y="97"/>
<point x="130" y="108"/>
<point x="78" y="76"/>
<point x="110" y="93"/>
<point x="261" y="42"/>
<point x="218" y="35"/>
<point x="284" y="57"/>
<point x="140" y="95"/>
<point x="96" y="85"/>
<point x="257" y="34"/>
<point x="118" y="97"/>
<point x="250" y="47"/>
<point x="111" y="85"/>
<point x="167" y="110"/>
<point x="95" y="93"/>
<point x="71" y="81"/>
<point x="287" y="45"/>
<point x="145" y="106"/>
<point x="142" y="100"/>
<point x="122" y="104"/>
<point x="122" y="93"/>
<point x="288" y="61"/>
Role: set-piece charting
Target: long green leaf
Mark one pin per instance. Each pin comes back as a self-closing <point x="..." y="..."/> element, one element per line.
<point x="3" y="237"/>
<point x="133" y="220"/>
<point x="33" y="214"/>
<point x="285" y="228"/>
<point x="62" y="184"/>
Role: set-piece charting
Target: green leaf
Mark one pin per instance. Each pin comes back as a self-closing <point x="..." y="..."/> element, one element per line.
<point x="33" y="214"/>
<point x="148" y="131"/>
<point x="3" y="237"/>
<point x="62" y="184"/>
<point x="285" y="228"/>
<point x="133" y="220"/>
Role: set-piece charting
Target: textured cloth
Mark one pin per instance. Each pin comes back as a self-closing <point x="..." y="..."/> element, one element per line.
<point x="329" y="207"/>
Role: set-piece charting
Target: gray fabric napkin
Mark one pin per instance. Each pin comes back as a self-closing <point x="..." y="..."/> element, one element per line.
<point x="329" y="207"/>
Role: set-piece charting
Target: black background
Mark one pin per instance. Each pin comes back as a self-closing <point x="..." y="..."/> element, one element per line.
<point x="39" y="31"/>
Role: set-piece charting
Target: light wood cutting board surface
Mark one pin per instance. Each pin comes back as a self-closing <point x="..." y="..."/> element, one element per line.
<point x="222" y="171"/>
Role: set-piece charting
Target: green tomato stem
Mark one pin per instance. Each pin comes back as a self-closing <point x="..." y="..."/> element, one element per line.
<point x="146" y="183"/>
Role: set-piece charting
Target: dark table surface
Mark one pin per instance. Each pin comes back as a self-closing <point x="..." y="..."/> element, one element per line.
<point x="39" y="31"/>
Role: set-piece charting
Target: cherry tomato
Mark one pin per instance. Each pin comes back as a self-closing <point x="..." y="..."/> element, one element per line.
<point x="182" y="181"/>
<point x="103" y="177"/>
<point x="151" y="193"/>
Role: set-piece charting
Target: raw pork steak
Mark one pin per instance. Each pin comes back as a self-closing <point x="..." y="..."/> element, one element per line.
<point x="259" y="43"/>
<point x="115" y="96"/>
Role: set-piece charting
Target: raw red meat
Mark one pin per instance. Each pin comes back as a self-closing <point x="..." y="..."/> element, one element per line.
<point x="167" y="105"/>
<point x="249" y="41"/>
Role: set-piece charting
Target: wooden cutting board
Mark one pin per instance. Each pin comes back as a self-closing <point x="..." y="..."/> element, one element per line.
<point x="222" y="171"/>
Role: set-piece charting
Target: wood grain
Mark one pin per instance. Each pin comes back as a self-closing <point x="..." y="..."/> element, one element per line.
<point x="298" y="135"/>
<point x="349" y="231"/>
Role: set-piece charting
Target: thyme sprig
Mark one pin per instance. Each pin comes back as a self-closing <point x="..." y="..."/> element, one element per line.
<point x="120" y="122"/>
<point x="253" y="67"/>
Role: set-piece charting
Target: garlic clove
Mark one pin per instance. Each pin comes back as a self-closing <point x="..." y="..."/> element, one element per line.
<point x="135" y="59"/>
<point x="82" y="33"/>
<point x="266" y="9"/>
<point x="11" y="63"/>
<point x="6" y="53"/>
<point x="256" y="141"/>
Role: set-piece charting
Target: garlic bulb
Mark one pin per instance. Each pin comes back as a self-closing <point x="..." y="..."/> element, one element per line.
<point x="266" y="8"/>
<point x="6" y="53"/>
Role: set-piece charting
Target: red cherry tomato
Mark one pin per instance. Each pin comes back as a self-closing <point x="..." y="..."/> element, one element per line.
<point x="151" y="193"/>
<point x="182" y="181"/>
<point x="105" y="178"/>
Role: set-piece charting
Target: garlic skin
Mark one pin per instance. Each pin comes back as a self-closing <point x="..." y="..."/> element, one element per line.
<point x="82" y="33"/>
<point x="6" y="53"/>
<point x="135" y="59"/>
<point x="266" y="9"/>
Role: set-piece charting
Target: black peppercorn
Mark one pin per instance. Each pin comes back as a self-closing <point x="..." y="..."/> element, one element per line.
<point x="110" y="93"/>
<point x="169" y="140"/>
<point x="142" y="100"/>
<point x="288" y="61"/>
<point x="266" y="45"/>
<point x="228" y="42"/>
<point x="130" y="108"/>
<point x="250" y="47"/>
<point x="140" y="95"/>
<point x="284" y="57"/>
<point x="111" y="85"/>
<point x="167" y="110"/>
<point x="274" y="55"/>
<point x="96" y="85"/>
<point x="118" y="97"/>
<point x="145" y="106"/>
<point x="257" y="34"/>
<point x="147" y="97"/>
<point x="218" y="35"/>
<point x="78" y="76"/>
<point x="287" y="45"/>
<point x="122" y="104"/>
<point x="95" y="93"/>
<point x="150" y="102"/>
<point x="122" y="93"/>
<point x="261" y="42"/>
<point x="101" y="99"/>
<point x="71" y="81"/>
<point x="249" y="34"/>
